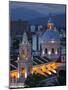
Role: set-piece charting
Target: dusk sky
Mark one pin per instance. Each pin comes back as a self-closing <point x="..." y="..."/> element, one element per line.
<point x="26" y="11"/>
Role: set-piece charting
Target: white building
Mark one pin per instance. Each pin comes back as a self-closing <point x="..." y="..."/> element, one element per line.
<point x="50" y="42"/>
<point x="24" y="62"/>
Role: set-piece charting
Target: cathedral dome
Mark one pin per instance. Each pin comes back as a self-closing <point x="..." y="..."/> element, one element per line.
<point x="50" y="35"/>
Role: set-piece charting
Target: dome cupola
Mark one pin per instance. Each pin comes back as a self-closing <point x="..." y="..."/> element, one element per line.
<point x="50" y="24"/>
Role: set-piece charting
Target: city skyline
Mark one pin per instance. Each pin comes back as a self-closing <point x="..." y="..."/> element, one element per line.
<point x="37" y="13"/>
<point x="37" y="45"/>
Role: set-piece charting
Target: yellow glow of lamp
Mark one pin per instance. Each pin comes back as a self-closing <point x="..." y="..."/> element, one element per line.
<point x="44" y="69"/>
<point x="50" y="25"/>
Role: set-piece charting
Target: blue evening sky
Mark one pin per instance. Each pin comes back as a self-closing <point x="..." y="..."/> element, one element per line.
<point x="27" y="11"/>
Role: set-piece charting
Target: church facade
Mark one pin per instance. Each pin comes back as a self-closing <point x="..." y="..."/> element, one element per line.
<point x="44" y="51"/>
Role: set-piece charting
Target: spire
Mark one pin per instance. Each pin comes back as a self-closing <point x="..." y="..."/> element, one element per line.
<point x="50" y="24"/>
<point x="50" y="20"/>
<point x="25" y="38"/>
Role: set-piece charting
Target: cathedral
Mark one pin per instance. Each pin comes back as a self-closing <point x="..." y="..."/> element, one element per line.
<point x="48" y="42"/>
<point x="44" y="51"/>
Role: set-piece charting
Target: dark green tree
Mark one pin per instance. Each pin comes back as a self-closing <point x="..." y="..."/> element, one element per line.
<point x="16" y="44"/>
<point x="62" y="77"/>
<point x="33" y="80"/>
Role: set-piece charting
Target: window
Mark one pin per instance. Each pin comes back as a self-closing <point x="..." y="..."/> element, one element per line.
<point x="46" y="50"/>
<point x="53" y="50"/>
<point x="34" y="42"/>
<point x="32" y="28"/>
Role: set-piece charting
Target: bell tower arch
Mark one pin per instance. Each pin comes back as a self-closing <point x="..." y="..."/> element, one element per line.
<point x="24" y="62"/>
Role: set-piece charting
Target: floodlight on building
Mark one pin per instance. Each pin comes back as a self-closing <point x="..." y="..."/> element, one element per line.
<point x="56" y="52"/>
<point x="54" y="71"/>
<point x="48" y="72"/>
<point x="43" y="52"/>
<point x="52" y="41"/>
<point x="49" y="52"/>
<point x="18" y="58"/>
<point x="25" y="74"/>
<point x="18" y="75"/>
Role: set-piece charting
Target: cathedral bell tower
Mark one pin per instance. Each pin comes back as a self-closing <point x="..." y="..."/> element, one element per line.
<point x="24" y="62"/>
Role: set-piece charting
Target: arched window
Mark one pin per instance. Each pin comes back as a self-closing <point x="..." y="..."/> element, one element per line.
<point x="46" y="50"/>
<point x="53" y="50"/>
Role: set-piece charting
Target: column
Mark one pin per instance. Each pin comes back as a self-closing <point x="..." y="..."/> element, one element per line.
<point x="26" y="70"/>
<point x="19" y="70"/>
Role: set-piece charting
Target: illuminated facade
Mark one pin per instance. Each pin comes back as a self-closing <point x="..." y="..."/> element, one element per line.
<point x="43" y="69"/>
<point x="50" y="42"/>
<point x="24" y="62"/>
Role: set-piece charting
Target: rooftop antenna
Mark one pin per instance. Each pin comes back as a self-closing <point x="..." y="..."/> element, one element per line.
<point x="50" y="16"/>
